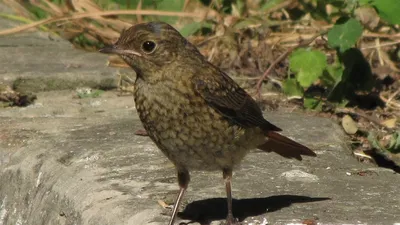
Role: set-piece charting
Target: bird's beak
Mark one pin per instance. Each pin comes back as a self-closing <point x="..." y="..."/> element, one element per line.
<point x="115" y="50"/>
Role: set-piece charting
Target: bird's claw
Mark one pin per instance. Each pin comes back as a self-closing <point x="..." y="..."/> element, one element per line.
<point x="232" y="221"/>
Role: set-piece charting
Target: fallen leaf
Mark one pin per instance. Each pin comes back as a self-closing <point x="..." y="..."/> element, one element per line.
<point x="389" y="123"/>
<point x="141" y="132"/>
<point x="163" y="204"/>
<point x="309" y="222"/>
<point x="349" y="125"/>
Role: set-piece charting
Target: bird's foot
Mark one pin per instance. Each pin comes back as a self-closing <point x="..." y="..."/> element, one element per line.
<point x="230" y="220"/>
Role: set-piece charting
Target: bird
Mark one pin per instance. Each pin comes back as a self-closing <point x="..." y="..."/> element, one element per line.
<point x="198" y="116"/>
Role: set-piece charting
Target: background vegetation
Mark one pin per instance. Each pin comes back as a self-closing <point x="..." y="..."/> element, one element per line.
<point x="336" y="58"/>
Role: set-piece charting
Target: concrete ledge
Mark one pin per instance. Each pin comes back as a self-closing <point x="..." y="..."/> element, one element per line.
<point x="83" y="165"/>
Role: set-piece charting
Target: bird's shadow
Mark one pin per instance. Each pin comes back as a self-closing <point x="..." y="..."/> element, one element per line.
<point x="205" y="211"/>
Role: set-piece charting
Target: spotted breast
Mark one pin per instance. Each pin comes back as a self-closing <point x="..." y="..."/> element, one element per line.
<point x="172" y="116"/>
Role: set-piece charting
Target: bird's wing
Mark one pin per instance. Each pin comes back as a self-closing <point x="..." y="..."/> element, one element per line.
<point x="225" y="96"/>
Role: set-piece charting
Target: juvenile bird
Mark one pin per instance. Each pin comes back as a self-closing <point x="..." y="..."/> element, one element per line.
<point x="194" y="112"/>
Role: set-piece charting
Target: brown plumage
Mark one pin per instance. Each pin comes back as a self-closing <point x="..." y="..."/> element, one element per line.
<point x="195" y="113"/>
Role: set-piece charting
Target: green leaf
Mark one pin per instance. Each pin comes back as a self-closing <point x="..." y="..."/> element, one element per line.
<point x="364" y="2"/>
<point x="90" y="94"/>
<point x="246" y="22"/>
<point x="394" y="145"/>
<point x="373" y="141"/>
<point x="352" y="74"/>
<point x="308" y="65"/>
<point x="344" y="35"/>
<point x="168" y="5"/>
<point x="389" y="10"/>
<point x="332" y="75"/>
<point x="37" y="11"/>
<point x="192" y="28"/>
<point x="292" y="88"/>
<point x="343" y="103"/>
<point x="312" y="103"/>
<point x="268" y="5"/>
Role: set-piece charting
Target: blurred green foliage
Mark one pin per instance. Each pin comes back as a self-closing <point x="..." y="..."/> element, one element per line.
<point x="349" y="72"/>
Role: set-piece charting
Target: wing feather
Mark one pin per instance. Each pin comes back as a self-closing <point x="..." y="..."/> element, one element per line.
<point x="226" y="96"/>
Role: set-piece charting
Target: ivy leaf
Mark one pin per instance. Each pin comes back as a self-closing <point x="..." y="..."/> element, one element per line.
<point x="388" y="10"/>
<point x="344" y="35"/>
<point x="312" y="103"/>
<point x="308" y="65"/>
<point x="292" y="88"/>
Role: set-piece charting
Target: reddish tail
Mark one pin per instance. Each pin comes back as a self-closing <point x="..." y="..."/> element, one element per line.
<point x="285" y="146"/>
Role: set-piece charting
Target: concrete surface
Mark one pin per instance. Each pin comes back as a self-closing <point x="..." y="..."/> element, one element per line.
<point x="65" y="160"/>
<point x="37" y="61"/>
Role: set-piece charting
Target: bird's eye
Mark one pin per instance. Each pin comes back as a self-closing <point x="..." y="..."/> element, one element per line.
<point x="148" y="46"/>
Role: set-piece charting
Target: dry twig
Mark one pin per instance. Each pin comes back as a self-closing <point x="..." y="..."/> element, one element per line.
<point x="96" y="14"/>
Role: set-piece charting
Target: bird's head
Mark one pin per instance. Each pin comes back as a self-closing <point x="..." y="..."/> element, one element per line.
<point x="153" y="48"/>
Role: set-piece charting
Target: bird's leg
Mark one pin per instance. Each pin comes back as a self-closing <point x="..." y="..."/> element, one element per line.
<point x="183" y="181"/>
<point x="227" y="174"/>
